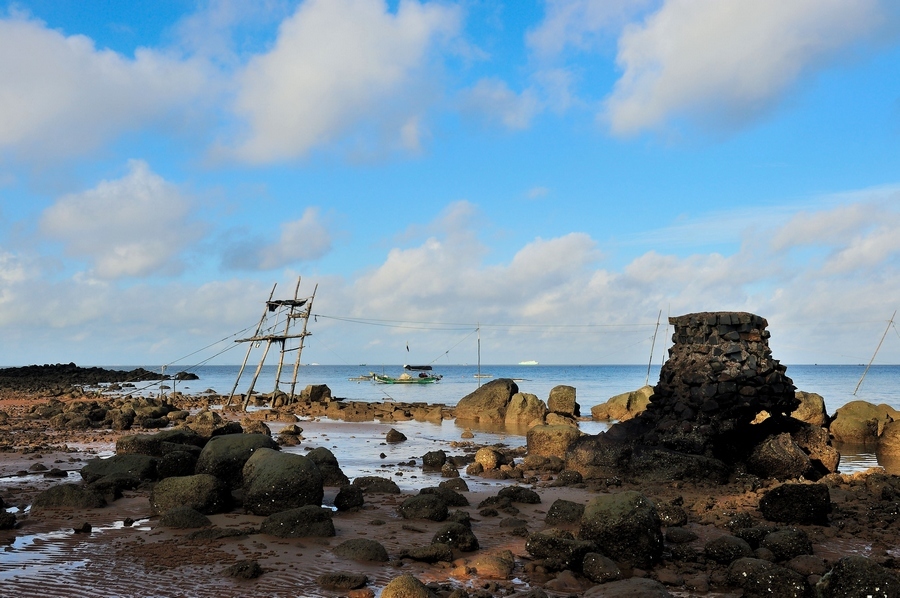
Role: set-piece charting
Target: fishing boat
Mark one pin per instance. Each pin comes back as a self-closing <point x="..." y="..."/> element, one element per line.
<point x="406" y="379"/>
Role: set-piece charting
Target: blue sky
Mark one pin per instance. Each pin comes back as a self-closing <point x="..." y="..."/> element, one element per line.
<point x="559" y="172"/>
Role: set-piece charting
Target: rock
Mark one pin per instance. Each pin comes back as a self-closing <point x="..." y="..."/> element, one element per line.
<point x="858" y="576"/>
<point x="666" y="464"/>
<point x="255" y="426"/>
<point x="624" y="406"/>
<point x="311" y="521"/>
<point x="807" y="564"/>
<point x="67" y="496"/>
<point x="142" y="467"/>
<point x="376" y="485"/>
<point x="457" y="484"/>
<point x="786" y="544"/>
<point x="523" y="409"/>
<point x="679" y="535"/>
<point x="450" y="497"/>
<point x="889" y="441"/>
<point x="562" y="400"/>
<point x="348" y="498"/>
<point x="433" y="553"/>
<point x="775" y="580"/>
<point x="671" y="515"/>
<point x="520" y="494"/>
<point x="203" y="492"/>
<point x="560" y="545"/>
<point x="860" y="423"/>
<point x="341" y="581"/>
<point x="811" y="409"/>
<point x="489" y="458"/>
<point x="559" y="419"/>
<point x="497" y="565"/>
<point x="328" y="466"/>
<point x="362" y="549"/>
<point x="624" y="526"/>
<point x="599" y="568"/>
<point x="778" y="457"/>
<point x="153" y="444"/>
<point x="635" y="587"/>
<point x="176" y="463"/>
<point x="244" y="570"/>
<point x="393" y="436"/>
<point x="726" y="549"/>
<point x="551" y="440"/>
<point x="209" y="423"/>
<point x="225" y="456"/>
<point x="184" y="518"/>
<point x="434" y="460"/>
<point x="276" y="481"/>
<point x="456" y="535"/>
<point x="423" y="506"/>
<point x="806" y="504"/>
<point x="112" y="486"/>
<point x="488" y="403"/>
<point x="597" y="456"/>
<point x="7" y="520"/>
<point x="564" y="512"/>
<point x="406" y="586"/>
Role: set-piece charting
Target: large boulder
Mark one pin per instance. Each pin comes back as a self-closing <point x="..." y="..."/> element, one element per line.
<point x="328" y="466"/>
<point x="202" y="492"/>
<point x="209" y="424"/>
<point x="597" y="456"/>
<point x="456" y="535"/>
<point x="625" y="527"/>
<point x="889" y="441"/>
<point x="159" y="444"/>
<point x="551" y="441"/>
<point x="858" y="576"/>
<point x="142" y="467"/>
<point x="524" y="408"/>
<point x="276" y="481"/>
<point x="805" y="504"/>
<point x="778" y="457"/>
<point x="67" y="496"/>
<point x="560" y="545"/>
<point x="634" y="587"/>
<point x="562" y="400"/>
<point x="811" y="409"/>
<point x="225" y="456"/>
<point x="424" y="506"/>
<point x="310" y="521"/>
<point x="371" y="484"/>
<point x="406" y="586"/>
<point x="488" y="404"/>
<point x="860" y="422"/>
<point x="624" y="406"/>
<point x="362" y="549"/>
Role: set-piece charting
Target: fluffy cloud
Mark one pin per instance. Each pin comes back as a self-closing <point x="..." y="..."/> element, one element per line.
<point x="61" y="95"/>
<point x="300" y="240"/>
<point x="133" y="226"/>
<point x="726" y="63"/>
<point x="492" y="100"/>
<point x="338" y="66"/>
<point x="578" y="23"/>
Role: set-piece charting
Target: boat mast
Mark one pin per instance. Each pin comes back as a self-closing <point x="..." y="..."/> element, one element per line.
<point x="652" y="347"/>
<point x="890" y="323"/>
<point x="478" y="330"/>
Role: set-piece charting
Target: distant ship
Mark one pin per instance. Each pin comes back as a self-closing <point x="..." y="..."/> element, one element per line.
<point x="530" y="362"/>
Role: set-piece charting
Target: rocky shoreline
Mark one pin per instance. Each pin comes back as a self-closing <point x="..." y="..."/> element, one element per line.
<point x="719" y="481"/>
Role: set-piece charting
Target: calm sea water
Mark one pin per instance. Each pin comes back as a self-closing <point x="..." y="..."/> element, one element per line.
<point x="594" y="383"/>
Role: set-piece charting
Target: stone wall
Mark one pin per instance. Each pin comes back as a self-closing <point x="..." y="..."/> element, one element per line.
<point x="720" y="374"/>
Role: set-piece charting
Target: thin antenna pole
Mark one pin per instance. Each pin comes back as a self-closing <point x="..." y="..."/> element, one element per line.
<point x="478" y="330"/>
<point x="652" y="348"/>
<point x="890" y="323"/>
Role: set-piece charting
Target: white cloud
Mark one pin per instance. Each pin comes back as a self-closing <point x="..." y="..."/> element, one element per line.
<point x="339" y="68"/>
<point x="492" y="100"/>
<point x="723" y="64"/>
<point x="133" y="226"/>
<point x="579" y="23"/>
<point x="301" y="240"/>
<point x="62" y="96"/>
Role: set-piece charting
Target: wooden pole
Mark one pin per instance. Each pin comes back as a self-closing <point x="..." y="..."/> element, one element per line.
<point x="303" y="336"/>
<point x="652" y="347"/>
<point x="287" y="326"/>
<point x="250" y="347"/>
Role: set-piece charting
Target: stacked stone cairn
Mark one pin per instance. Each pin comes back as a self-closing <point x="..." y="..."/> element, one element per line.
<point x="720" y="374"/>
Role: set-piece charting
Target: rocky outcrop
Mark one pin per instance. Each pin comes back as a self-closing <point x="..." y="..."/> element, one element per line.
<point x="310" y="521"/>
<point x="201" y="492"/>
<point x="488" y="404"/>
<point x="523" y="409"/>
<point x="858" y="576"/>
<point x="68" y="496"/>
<point x="142" y="467"/>
<point x="328" y="465"/>
<point x="562" y="401"/>
<point x="807" y="504"/>
<point x="861" y="423"/>
<point x="551" y="440"/>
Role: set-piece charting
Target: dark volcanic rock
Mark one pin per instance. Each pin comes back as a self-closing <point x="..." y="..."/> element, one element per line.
<point x="349" y="497"/>
<point x="560" y="545"/>
<point x="797" y="503"/>
<point x="310" y="521"/>
<point x="140" y="466"/>
<point x="858" y="576"/>
<point x="328" y="465"/>
<point x="203" y="492"/>
<point x="456" y="535"/>
<point x="362" y="549"/>
<point x="423" y="506"/>
<point x="184" y="518"/>
<point x="68" y="496"/>
<point x="376" y="485"/>
<point x="564" y="511"/>
<point x="224" y="456"/>
<point x="276" y="481"/>
<point x="624" y="526"/>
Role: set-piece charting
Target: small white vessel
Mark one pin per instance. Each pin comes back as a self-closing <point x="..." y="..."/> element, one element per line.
<point x="530" y="362"/>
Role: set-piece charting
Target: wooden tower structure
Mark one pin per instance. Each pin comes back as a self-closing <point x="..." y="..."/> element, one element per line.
<point x="275" y="326"/>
